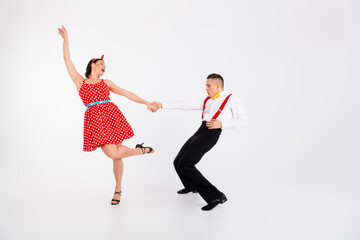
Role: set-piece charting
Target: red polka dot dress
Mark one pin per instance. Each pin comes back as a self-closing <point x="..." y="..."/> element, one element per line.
<point x="104" y="123"/>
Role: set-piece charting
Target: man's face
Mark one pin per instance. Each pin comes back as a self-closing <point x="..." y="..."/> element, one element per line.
<point x="212" y="88"/>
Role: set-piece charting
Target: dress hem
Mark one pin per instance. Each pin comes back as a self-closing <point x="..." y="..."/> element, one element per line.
<point x="107" y="142"/>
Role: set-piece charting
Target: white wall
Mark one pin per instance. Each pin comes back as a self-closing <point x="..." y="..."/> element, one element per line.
<point x="291" y="174"/>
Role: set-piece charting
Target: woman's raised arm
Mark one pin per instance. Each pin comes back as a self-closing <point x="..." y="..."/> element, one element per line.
<point x="75" y="76"/>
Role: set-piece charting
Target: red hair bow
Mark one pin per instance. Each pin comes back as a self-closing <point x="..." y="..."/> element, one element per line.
<point x="102" y="57"/>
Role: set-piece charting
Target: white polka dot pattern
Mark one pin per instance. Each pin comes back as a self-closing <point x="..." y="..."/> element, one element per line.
<point x="104" y="123"/>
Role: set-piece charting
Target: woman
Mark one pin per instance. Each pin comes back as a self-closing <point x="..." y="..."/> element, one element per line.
<point x="104" y="124"/>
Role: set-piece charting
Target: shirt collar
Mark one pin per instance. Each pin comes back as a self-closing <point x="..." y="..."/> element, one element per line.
<point x="223" y="93"/>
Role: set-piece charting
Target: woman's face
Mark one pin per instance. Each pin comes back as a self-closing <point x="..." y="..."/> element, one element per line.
<point x="98" y="68"/>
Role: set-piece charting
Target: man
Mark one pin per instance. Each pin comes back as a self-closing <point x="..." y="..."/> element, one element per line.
<point x="220" y="111"/>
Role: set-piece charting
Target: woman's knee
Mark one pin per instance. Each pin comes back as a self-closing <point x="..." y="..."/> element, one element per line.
<point x="109" y="151"/>
<point x="117" y="160"/>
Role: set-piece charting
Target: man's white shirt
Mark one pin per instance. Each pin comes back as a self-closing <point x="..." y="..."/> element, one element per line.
<point x="232" y="116"/>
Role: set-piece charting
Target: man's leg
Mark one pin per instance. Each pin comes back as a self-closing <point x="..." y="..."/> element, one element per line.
<point x="185" y="182"/>
<point x="193" y="153"/>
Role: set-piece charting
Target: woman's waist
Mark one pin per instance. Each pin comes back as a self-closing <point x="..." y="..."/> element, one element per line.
<point x="95" y="102"/>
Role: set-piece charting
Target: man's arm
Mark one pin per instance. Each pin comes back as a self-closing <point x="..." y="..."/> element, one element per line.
<point x="239" y="117"/>
<point x="182" y="105"/>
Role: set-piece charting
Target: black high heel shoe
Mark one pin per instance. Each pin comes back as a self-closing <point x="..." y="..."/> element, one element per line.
<point x="144" y="148"/>
<point x="115" y="200"/>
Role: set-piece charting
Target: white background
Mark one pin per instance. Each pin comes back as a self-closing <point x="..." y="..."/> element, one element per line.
<point x="292" y="173"/>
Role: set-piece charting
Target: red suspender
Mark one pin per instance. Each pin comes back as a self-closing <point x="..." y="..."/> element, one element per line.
<point x="220" y="109"/>
<point x="206" y="99"/>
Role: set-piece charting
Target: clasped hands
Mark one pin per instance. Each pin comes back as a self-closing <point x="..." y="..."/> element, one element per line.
<point x="212" y="124"/>
<point x="154" y="106"/>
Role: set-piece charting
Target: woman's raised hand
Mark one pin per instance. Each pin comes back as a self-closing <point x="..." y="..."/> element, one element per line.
<point x="63" y="32"/>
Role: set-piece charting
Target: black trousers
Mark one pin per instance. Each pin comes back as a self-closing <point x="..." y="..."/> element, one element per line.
<point x="190" y="154"/>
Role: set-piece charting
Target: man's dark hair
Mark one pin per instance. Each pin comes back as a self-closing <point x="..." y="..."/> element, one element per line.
<point x="217" y="76"/>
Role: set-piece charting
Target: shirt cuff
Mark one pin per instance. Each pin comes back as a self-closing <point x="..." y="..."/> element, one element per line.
<point x="164" y="105"/>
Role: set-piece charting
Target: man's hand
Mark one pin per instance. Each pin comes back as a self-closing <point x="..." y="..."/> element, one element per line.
<point x="157" y="104"/>
<point x="214" y="124"/>
<point x="152" y="107"/>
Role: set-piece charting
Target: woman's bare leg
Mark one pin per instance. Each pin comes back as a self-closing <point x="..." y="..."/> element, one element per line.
<point x="115" y="151"/>
<point x="118" y="169"/>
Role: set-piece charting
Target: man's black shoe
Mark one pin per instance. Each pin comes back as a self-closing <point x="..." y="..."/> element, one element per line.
<point x="184" y="191"/>
<point x="214" y="203"/>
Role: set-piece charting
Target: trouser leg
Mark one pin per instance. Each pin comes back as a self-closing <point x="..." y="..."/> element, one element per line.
<point x="185" y="182"/>
<point x="194" y="151"/>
